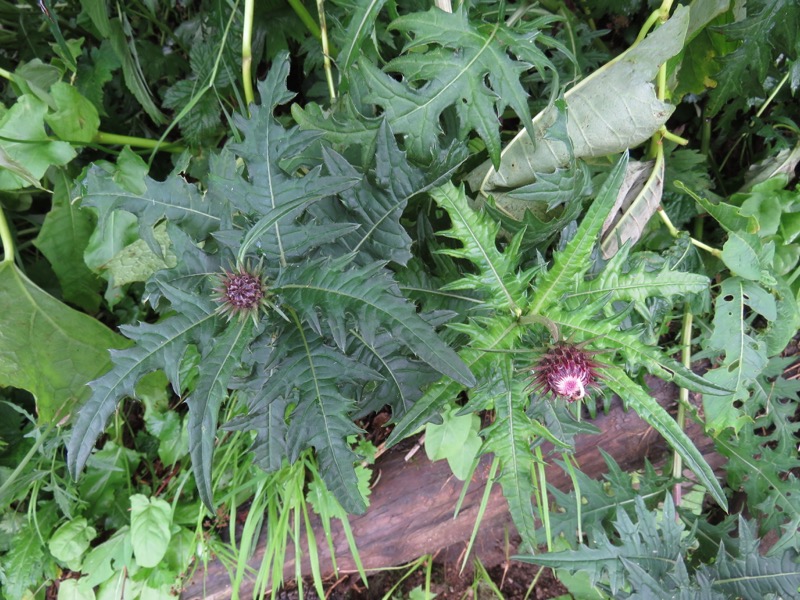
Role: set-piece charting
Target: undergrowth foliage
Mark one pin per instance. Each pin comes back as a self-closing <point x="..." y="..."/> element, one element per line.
<point x="324" y="329"/>
<point x="482" y="222"/>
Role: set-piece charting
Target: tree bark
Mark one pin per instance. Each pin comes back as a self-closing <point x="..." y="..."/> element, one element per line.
<point x="412" y="504"/>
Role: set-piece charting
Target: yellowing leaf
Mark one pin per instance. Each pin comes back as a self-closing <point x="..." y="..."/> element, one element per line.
<point x="48" y="348"/>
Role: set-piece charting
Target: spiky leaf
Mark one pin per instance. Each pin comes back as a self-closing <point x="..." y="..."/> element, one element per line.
<point x="456" y="72"/>
<point x="652" y="412"/>
<point x="159" y="346"/>
<point x="573" y="261"/>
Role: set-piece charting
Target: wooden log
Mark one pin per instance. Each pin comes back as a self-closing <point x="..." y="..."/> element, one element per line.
<point x="411" y="506"/>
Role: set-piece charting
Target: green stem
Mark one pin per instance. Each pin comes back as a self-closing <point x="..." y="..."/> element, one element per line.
<point x="674" y="232"/>
<point x="30" y="454"/>
<point x="542" y="500"/>
<point x="773" y="94"/>
<point x="101" y="137"/>
<point x="6" y="239"/>
<point x="326" y="53"/>
<point x="668" y="135"/>
<point x="683" y="401"/>
<point x="247" y="52"/>
<point x="305" y="17"/>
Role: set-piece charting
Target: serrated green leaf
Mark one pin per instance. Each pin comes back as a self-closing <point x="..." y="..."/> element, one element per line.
<point x="48" y="348"/>
<point x="470" y="68"/>
<point x="656" y="547"/>
<point x="343" y="124"/>
<point x="500" y="334"/>
<point x="23" y="140"/>
<point x="202" y="122"/>
<point x="377" y="202"/>
<point x="639" y="284"/>
<point x="510" y="438"/>
<point x="21" y="568"/>
<point x="747" y="574"/>
<point x="573" y="261"/>
<point x="767" y="26"/>
<point x="125" y="49"/>
<point x="159" y="346"/>
<point x="210" y="390"/>
<point x="360" y="26"/>
<point x="655" y="415"/>
<point x="372" y="297"/>
<point x="309" y="373"/>
<point x="151" y="519"/>
<point x="92" y="77"/>
<point x="174" y="199"/>
<point x="477" y="232"/>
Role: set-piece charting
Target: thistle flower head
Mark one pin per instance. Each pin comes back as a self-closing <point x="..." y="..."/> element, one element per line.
<point x="565" y="370"/>
<point x="241" y="293"/>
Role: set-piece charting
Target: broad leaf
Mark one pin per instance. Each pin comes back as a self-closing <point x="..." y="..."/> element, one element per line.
<point x="24" y="141"/>
<point x="63" y="238"/>
<point x="47" y="348"/>
<point x="745" y="356"/>
<point x="151" y="519"/>
<point x="639" y="197"/>
<point x="631" y="112"/>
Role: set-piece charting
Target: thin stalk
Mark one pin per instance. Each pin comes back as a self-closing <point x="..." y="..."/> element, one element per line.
<point x="101" y="137"/>
<point x="6" y="239"/>
<point x="544" y="505"/>
<point x="481" y="509"/>
<point x="674" y="232"/>
<point x="683" y="401"/>
<point x="568" y="460"/>
<point x="326" y="52"/>
<point x="247" y="53"/>
<point x="774" y="93"/>
<point x="668" y="135"/>
<point x="28" y="457"/>
<point x="305" y="17"/>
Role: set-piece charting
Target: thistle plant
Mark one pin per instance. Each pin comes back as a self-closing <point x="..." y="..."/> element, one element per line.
<point x="519" y="305"/>
<point x="317" y="324"/>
